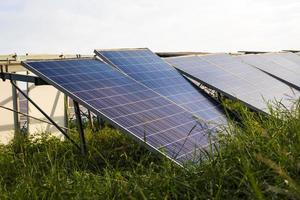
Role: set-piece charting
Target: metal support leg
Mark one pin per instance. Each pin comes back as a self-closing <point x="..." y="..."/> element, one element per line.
<point x="91" y="123"/>
<point x="219" y="96"/>
<point x="27" y="107"/>
<point x="48" y="118"/>
<point x="15" y="107"/>
<point x="66" y="113"/>
<point x="80" y="127"/>
<point x="100" y="122"/>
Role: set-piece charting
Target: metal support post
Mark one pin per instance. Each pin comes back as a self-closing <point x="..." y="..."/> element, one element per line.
<point x="27" y="106"/>
<point x="15" y="107"/>
<point x="91" y="122"/>
<point x="80" y="127"/>
<point x="100" y="122"/>
<point x="66" y="111"/>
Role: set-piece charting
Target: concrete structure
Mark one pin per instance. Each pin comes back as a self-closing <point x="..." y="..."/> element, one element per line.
<point x="6" y="116"/>
<point x="52" y="102"/>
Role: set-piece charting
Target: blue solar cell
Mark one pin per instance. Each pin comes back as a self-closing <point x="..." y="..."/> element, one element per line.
<point x="137" y="110"/>
<point x="277" y="65"/>
<point x="153" y="72"/>
<point x="235" y="79"/>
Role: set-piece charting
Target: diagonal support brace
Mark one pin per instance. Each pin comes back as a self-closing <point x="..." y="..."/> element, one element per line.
<point x="48" y="118"/>
<point x="80" y="128"/>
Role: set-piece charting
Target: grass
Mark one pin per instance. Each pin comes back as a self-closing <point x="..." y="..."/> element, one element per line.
<point x="258" y="158"/>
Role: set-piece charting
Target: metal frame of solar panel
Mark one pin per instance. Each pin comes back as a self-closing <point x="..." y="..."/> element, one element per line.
<point x="234" y="79"/>
<point x="148" y="117"/>
<point x="277" y="65"/>
<point x="149" y="69"/>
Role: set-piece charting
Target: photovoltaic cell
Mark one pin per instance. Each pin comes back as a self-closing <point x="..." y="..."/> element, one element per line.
<point x="235" y="79"/>
<point x="149" y="69"/>
<point x="276" y="64"/>
<point x="135" y="109"/>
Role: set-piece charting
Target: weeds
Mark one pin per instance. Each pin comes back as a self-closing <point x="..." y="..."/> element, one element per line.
<point x="259" y="158"/>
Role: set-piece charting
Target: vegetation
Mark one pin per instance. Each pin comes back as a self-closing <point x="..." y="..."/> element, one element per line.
<point x="256" y="159"/>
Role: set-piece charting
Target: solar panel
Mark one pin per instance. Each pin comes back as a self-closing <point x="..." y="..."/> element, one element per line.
<point x="292" y="57"/>
<point x="287" y="60"/>
<point x="135" y="109"/>
<point x="152" y="71"/>
<point x="277" y="65"/>
<point x="235" y="79"/>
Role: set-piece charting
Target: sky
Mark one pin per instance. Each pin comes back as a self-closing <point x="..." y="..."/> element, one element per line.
<point x="78" y="26"/>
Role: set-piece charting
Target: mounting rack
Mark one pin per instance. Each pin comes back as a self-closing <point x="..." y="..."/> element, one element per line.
<point x="24" y="78"/>
<point x="13" y="77"/>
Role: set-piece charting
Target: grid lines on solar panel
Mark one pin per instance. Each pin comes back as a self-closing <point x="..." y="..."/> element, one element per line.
<point x="134" y="108"/>
<point x="282" y="60"/>
<point x="236" y="79"/>
<point x="294" y="57"/>
<point x="150" y="70"/>
<point x="277" y="65"/>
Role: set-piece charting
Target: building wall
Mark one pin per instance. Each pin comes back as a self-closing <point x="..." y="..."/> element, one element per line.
<point x="6" y="116"/>
<point x="52" y="102"/>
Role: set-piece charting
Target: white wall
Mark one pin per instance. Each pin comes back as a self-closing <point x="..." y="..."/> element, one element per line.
<point x="6" y="116"/>
<point x="52" y="102"/>
<point x="46" y="97"/>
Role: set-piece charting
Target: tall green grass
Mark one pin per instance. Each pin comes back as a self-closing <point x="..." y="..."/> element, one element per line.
<point x="259" y="158"/>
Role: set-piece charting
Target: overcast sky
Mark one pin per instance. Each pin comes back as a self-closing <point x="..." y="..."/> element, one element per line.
<point x="78" y="26"/>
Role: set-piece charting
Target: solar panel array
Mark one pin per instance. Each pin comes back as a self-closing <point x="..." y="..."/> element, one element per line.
<point x="137" y="110"/>
<point x="235" y="79"/>
<point x="152" y="71"/>
<point x="276" y="64"/>
<point x="286" y="60"/>
<point x="292" y="57"/>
